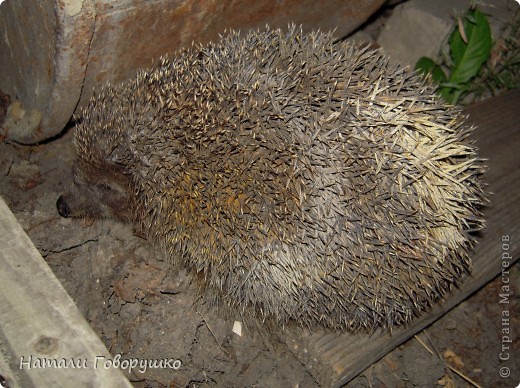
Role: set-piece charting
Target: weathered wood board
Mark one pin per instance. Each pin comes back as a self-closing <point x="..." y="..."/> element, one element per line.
<point x="336" y="359"/>
<point x="40" y="323"/>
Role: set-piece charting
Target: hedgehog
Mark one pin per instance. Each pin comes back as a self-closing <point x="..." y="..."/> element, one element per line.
<point x="298" y="178"/>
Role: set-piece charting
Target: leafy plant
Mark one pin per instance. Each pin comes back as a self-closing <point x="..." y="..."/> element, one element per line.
<point x="502" y="70"/>
<point x="470" y="47"/>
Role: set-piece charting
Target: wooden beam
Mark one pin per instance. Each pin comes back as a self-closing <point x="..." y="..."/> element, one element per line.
<point x="39" y="322"/>
<point x="334" y="359"/>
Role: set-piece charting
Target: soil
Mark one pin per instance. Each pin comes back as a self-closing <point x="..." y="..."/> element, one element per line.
<point x="143" y="308"/>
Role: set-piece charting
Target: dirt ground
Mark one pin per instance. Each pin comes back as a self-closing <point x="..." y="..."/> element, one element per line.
<point x="142" y="308"/>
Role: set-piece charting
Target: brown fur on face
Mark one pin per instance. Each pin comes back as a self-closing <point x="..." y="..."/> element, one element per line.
<point x="99" y="193"/>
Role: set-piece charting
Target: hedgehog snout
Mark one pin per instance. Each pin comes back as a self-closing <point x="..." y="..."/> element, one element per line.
<point x="63" y="208"/>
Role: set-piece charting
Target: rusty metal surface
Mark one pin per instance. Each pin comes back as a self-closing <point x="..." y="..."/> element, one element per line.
<point x="53" y="53"/>
<point x="131" y="34"/>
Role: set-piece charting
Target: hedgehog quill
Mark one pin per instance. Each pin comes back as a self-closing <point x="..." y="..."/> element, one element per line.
<point x="301" y="179"/>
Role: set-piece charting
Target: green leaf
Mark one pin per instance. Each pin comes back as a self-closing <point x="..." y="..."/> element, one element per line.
<point x="456" y="95"/>
<point x="452" y="94"/>
<point x="468" y="58"/>
<point x="457" y="44"/>
<point x="451" y="85"/>
<point x="446" y="94"/>
<point x="427" y="66"/>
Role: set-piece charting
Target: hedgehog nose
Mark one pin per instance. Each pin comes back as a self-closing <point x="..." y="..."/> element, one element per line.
<point x="62" y="206"/>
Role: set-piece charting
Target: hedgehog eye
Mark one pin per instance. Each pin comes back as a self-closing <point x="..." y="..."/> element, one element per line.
<point x="104" y="187"/>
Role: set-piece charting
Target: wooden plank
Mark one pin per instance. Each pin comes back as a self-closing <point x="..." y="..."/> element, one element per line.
<point x="40" y="323"/>
<point x="336" y="359"/>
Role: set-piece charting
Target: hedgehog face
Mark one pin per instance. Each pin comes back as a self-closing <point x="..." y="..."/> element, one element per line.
<point x="100" y="193"/>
